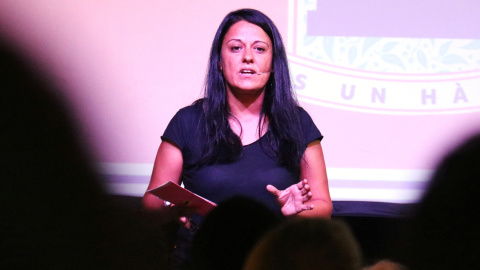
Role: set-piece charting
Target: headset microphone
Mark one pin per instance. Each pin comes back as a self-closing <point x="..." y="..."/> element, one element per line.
<point x="266" y="72"/>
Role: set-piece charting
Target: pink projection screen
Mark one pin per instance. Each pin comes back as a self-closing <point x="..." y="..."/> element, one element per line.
<point x="392" y="85"/>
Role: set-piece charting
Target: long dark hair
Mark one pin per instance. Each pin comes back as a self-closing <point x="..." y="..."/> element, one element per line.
<point x="285" y="137"/>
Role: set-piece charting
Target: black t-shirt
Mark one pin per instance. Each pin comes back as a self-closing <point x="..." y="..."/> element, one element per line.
<point x="247" y="176"/>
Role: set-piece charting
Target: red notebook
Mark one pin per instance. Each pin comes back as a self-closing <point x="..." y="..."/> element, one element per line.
<point x="176" y="194"/>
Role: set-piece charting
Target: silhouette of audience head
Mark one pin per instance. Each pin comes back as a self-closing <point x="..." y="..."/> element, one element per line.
<point x="229" y="232"/>
<point x="55" y="214"/>
<point x="444" y="231"/>
<point x="385" y="265"/>
<point x="307" y="244"/>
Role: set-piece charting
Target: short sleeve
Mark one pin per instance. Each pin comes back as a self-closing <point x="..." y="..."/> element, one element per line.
<point x="310" y="130"/>
<point x="175" y="131"/>
<point x="181" y="129"/>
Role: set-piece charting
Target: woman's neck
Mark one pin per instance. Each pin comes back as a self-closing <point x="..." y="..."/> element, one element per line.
<point x="245" y="105"/>
<point x="245" y="110"/>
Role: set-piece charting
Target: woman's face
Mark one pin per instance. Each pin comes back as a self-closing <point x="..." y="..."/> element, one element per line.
<point x="246" y="57"/>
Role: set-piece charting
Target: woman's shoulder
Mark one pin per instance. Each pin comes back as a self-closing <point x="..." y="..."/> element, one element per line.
<point x="192" y="111"/>
<point x="184" y="125"/>
<point x="309" y="128"/>
<point x="300" y="109"/>
<point x="303" y="114"/>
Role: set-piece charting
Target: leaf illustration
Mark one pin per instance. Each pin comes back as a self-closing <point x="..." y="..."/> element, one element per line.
<point x="328" y="44"/>
<point x="307" y="40"/>
<point x="363" y="66"/>
<point x="473" y="45"/>
<point x="352" y="53"/>
<point x="393" y="59"/>
<point x="422" y="59"/>
<point x="444" y="48"/>
<point x="389" y="46"/>
<point x="453" y="59"/>
<point x="369" y="42"/>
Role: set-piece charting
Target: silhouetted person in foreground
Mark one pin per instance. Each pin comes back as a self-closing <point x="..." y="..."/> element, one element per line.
<point x="444" y="232"/>
<point x="229" y="232"/>
<point x="385" y="264"/>
<point x="54" y="212"/>
<point x="304" y="244"/>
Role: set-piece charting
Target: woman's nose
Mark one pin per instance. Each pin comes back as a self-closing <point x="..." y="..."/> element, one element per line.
<point x="247" y="56"/>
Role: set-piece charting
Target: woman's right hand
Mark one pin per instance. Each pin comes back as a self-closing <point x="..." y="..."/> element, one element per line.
<point x="181" y="214"/>
<point x="167" y="167"/>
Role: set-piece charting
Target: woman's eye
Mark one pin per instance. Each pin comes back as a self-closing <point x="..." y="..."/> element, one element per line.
<point x="235" y="48"/>
<point x="260" y="49"/>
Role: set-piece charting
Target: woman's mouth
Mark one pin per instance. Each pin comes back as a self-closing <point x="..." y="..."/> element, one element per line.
<point x="248" y="71"/>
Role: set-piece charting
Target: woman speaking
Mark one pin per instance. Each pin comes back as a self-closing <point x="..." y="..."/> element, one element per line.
<point x="247" y="136"/>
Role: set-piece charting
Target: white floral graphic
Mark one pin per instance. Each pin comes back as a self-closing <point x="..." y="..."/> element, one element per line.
<point x="395" y="55"/>
<point x="388" y="55"/>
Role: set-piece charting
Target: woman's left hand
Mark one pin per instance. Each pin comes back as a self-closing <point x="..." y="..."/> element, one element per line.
<point x="292" y="199"/>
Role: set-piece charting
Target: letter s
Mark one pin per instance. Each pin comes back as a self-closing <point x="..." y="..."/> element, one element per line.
<point x="300" y="79"/>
